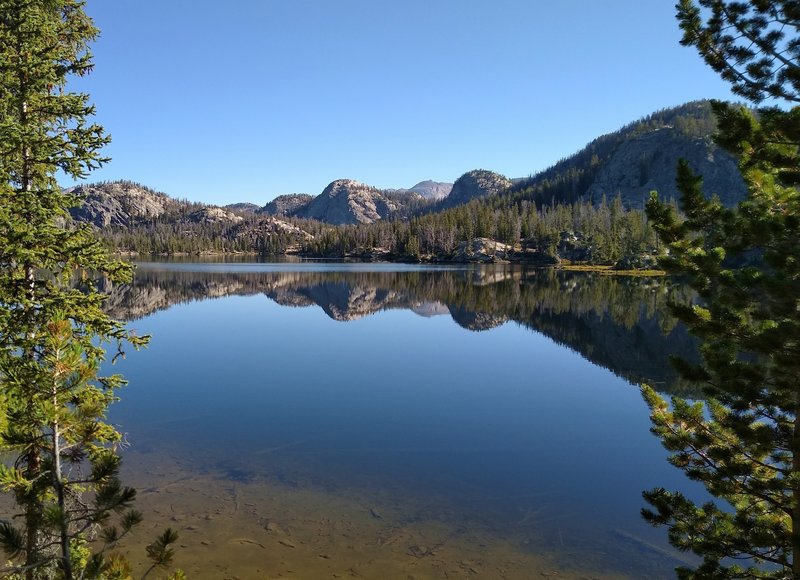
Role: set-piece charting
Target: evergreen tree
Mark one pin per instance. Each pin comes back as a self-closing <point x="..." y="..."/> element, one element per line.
<point x="743" y="441"/>
<point x="64" y="466"/>
<point x="753" y="45"/>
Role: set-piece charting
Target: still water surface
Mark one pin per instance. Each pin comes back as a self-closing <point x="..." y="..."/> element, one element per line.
<point x="333" y="420"/>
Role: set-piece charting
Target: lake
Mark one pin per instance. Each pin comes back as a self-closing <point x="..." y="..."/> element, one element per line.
<point x="313" y="420"/>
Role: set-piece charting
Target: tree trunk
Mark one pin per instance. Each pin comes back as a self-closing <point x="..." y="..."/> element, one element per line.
<point x="33" y="514"/>
<point x="58" y="483"/>
<point x="33" y="507"/>
<point x="796" y="498"/>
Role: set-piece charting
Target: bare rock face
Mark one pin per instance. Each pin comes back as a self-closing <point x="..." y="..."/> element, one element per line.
<point x="265" y="227"/>
<point x="268" y="225"/>
<point x="119" y="203"/>
<point x="648" y="163"/>
<point x="346" y="201"/>
<point x="482" y="250"/>
<point x="286" y="205"/>
<point x="432" y="189"/>
<point x="214" y="215"/>
<point x="642" y="157"/>
<point x="474" y="184"/>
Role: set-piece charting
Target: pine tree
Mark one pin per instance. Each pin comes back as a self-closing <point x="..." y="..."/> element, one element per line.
<point x="64" y="472"/>
<point x="743" y="441"/>
<point x="753" y="45"/>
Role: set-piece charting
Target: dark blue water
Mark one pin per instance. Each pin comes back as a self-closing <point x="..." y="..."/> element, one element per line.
<point x="513" y="427"/>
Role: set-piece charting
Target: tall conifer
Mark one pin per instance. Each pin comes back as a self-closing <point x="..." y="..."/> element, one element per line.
<point x="743" y="442"/>
<point x="52" y="327"/>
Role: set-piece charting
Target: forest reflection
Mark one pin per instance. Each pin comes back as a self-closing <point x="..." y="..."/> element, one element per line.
<point x="620" y="323"/>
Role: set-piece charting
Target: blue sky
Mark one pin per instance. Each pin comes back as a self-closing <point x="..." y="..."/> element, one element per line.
<point x="264" y="97"/>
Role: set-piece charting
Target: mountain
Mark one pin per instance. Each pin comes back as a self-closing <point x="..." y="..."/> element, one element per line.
<point x="137" y="219"/>
<point x="285" y="205"/>
<point x="474" y="184"/>
<point x="483" y="206"/>
<point x="126" y="204"/>
<point x="434" y="190"/>
<point x="123" y="203"/>
<point x="640" y="158"/>
<point x="347" y="201"/>
<point x="243" y="207"/>
<point x="648" y="163"/>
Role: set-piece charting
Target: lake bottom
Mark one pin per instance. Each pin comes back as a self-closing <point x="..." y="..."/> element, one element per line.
<point x="291" y="524"/>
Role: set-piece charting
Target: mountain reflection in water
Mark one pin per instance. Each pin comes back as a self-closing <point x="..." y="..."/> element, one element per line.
<point x="620" y="323"/>
<point x="388" y="420"/>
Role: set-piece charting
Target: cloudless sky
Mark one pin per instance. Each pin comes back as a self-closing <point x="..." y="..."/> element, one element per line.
<point x="250" y="99"/>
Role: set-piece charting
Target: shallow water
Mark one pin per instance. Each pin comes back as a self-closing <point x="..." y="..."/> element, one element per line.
<point x="398" y="421"/>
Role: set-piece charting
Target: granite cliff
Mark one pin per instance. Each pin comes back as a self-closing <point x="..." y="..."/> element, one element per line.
<point x="475" y="184"/>
<point x="137" y="219"/>
<point x="347" y="201"/>
<point x="286" y="205"/>
<point x="648" y="163"/>
<point x="121" y="203"/>
<point x="639" y="158"/>
<point x="433" y="190"/>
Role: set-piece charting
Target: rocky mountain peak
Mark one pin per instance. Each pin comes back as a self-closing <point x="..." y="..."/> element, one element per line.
<point x="648" y="162"/>
<point x="474" y="184"/>
<point x="288" y="204"/>
<point x="344" y="186"/>
<point x="347" y="201"/>
<point x="642" y="157"/>
<point x="432" y="189"/>
<point x="119" y="203"/>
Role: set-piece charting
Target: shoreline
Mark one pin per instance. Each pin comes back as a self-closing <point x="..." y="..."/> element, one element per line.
<point x="603" y="269"/>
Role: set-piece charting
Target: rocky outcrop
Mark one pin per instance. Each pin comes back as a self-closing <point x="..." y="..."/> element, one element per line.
<point x="286" y="205"/>
<point x="346" y="201"/>
<point x="474" y="184"/>
<point x="119" y="203"/>
<point x="434" y="190"/>
<point x="482" y="251"/>
<point x="648" y="163"/>
<point x="214" y="215"/>
<point x="181" y="226"/>
<point x="639" y="158"/>
<point x="243" y="207"/>
<point x="267" y="226"/>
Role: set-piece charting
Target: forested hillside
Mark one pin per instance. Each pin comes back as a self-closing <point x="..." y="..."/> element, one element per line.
<point x="586" y="208"/>
<point x="639" y="158"/>
<point x="134" y="218"/>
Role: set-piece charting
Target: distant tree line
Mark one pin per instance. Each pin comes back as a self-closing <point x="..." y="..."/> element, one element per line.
<point x="173" y="233"/>
<point x="606" y="233"/>
<point x="603" y="234"/>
